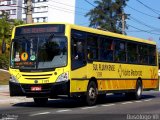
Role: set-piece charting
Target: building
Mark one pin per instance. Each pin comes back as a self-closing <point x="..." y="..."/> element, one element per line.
<point x="52" y="11"/>
<point x="42" y="10"/>
<point x="12" y="7"/>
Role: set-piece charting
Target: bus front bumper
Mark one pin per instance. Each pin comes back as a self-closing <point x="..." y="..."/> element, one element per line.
<point x="47" y="90"/>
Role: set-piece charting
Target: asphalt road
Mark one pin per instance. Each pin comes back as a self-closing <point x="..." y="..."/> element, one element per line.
<point x="114" y="107"/>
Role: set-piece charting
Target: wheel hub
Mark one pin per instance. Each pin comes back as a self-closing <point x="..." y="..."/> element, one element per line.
<point x="92" y="93"/>
<point x="139" y="91"/>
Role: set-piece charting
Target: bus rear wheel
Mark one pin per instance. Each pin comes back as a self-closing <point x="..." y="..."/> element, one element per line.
<point x="40" y="101"/>
<point x="91" y="96"/>
<point x="137" y="94"/>
<point x="139" y="89"/>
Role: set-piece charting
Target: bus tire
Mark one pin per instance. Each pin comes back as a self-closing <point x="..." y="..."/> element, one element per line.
<point x="138" y="91"/>
<point x="92" y="92"/>
<point x="40" y="101"/>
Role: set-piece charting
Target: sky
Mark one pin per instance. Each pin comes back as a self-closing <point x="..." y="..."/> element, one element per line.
<point x="144" y="21"/>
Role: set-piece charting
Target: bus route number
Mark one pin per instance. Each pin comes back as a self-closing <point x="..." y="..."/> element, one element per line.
<point x="45" y="81"/>
<point x="99" y="74"/>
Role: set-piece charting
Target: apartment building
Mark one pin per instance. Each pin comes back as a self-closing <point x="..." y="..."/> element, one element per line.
<point x="42" y="10"/>
<point x="52" y="11"/>
<point x="12" y="7"/>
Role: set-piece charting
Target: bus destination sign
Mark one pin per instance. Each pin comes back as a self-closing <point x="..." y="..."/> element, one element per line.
<point x="49" y="28"/>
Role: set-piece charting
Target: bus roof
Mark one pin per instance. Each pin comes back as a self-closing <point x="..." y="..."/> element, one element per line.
<point x="116" y="35"/>
<point x="96" y="31"/>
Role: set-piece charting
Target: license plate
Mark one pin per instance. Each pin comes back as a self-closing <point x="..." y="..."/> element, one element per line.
<point x="36" y="88"/>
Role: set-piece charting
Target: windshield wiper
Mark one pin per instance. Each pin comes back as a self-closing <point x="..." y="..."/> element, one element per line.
<point x="21" y="37"/>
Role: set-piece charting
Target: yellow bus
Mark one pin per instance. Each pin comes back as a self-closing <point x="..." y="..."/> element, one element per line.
<point x="51" y="60"/>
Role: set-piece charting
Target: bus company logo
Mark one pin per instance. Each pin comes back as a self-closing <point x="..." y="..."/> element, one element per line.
<point x="24" y="56"/>
<point x="128" y="72"/>
<point x="153" y="75"/>
<point x="35" y="81"/>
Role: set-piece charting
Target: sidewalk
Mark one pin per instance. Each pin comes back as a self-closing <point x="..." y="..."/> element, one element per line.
<point x="6" y="99"/>
<point x="4" y="90"/>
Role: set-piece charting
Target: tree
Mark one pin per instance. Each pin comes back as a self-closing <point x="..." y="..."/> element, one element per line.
<point x="15" y="22"/>
<point x="6" y="26"/>
<point x="107" y="15"/>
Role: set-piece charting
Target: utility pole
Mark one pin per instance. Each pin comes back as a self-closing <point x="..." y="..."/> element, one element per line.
<point x="28" y="11"/>
<point x="123" y="22"/>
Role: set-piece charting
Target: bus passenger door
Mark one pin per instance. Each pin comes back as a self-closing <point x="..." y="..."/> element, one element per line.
<point x="78" y="62"/>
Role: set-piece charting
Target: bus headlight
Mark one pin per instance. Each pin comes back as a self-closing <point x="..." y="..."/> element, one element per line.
<point x="13" y="79"/>
<point x="63" y="77"/>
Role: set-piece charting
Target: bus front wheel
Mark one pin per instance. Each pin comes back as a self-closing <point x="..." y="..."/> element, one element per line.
<point x="40" y="101"/>
<point x="92" y="92"/>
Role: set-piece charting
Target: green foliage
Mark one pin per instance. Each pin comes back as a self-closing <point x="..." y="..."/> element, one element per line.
<point x="4" y="61"/>
<point x="4" y="29"/>
<point x="6" y="26"/>
<point x="107" y="15"/>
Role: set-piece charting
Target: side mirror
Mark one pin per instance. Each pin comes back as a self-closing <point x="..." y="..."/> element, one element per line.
<point x="3" y="46"/>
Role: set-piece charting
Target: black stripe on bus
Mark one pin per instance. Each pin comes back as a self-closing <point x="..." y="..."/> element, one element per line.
<point x="113" y="79"/>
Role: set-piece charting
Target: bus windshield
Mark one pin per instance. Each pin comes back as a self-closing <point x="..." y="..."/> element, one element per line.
<point x="40" y="51"/>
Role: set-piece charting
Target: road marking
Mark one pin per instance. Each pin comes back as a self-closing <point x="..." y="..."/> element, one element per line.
<point x="147" y="100"/>
<point x="138" y="101"/>
<point x="63" y="110"/>
<point x="126" y="103"/>
<point x="89" y="107"/>
<point x="107" y="105"/>
<point x="43" y="113"/>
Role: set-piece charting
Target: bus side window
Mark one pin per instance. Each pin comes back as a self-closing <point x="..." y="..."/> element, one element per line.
<point x="77" y="49"/>
<point x="106" y="49"/>
<point x="120" y="52"/>
<point x="132" y="56"/>
<point x="152" y="55"/>
<point x="143" y="54"/>
<point x="92" y="47"/>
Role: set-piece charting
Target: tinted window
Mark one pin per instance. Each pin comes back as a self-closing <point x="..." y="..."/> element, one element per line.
<point x="120" y="51"/>
<point x="77" y="49"/>
<point x="92" y="46"/>
<point x="132" y="56"/>
<point x="152" y="55"/>
<point x="143" y="54"/>
<point x="106" y="49"/>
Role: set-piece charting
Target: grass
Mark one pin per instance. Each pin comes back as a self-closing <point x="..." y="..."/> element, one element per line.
<point x="4" y="78"/>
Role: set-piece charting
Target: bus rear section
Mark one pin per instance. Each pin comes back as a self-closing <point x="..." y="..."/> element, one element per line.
<point x="105" y="62"/>
<point x="39" y="62"/>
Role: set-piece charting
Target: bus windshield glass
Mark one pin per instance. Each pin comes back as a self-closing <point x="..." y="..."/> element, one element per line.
<point x="39" y="51"/>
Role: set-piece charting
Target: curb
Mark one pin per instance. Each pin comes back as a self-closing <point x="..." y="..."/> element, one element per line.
<point x="15" y="100"/>
<point x="6" y="99"/>
<point x="4" y="70"/>
<point x="4" y="89"/>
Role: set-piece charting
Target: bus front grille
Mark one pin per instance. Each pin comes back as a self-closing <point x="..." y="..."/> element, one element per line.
<point x="37" y="77"/>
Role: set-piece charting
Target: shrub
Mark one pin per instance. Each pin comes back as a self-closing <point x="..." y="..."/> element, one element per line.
<point x="4" y="61"/>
